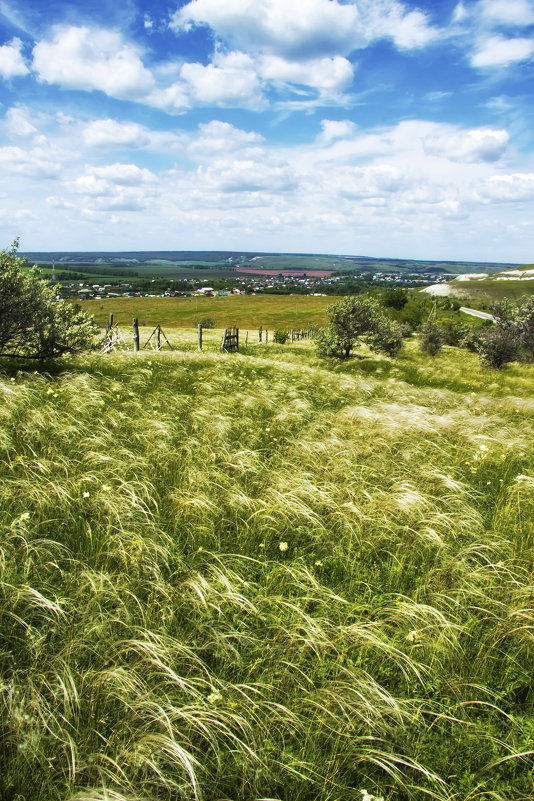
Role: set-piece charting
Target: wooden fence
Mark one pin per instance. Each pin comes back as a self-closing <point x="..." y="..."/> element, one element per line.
<point x="114" y="339"/>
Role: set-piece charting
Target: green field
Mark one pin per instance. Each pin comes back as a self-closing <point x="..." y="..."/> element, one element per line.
<point x="266" y="576"/>
<point x="244" y="311"/>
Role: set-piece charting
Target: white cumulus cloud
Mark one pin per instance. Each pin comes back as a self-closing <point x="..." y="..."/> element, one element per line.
<point x="329" y="74"/>
<point x="12" y="61"/>
<point x="231" y="79"/>
<point x="500" y="51"/>
<point x="110" y="133"/>
<point x="92" y="59"/>
<point x="505" y="188"/>
<point x="479" y="144"/>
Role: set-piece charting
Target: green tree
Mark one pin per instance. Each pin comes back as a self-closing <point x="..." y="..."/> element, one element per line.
<point x="354" y="320"/>
<point x="431" y="338"/>
<point x="31" y="323"/>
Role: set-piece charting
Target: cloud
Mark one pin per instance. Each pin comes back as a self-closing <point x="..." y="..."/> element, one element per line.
<point x="509" y="188"/>
<point x="327" y="75"/>
<point x="390" y="19"/>
<point x="249" y="176"/>
<point x="327" y="28"/>
<point x="110" y="133"/>
<point x="499" y="51"/>
<point x="333" y="130"/>
<point x="103" y="180"/>
<point x="18" y="125"/>
<point x="12" y="63"/>
<point x="230" y="80"/>
<point x="278" y="27"/>
<point x="507" y="12"/>
<point x="92" y="59"/>
<point x="480" y="144"/>
<point x="216" y="137"/>
<point x="35" y="163"/>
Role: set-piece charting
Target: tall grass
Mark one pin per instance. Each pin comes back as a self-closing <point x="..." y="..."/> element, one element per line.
<point x="265" y="576"/>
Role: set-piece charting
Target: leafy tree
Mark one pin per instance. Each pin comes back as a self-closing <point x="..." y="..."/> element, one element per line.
<point x="354" y="320"/>
<point x="395" y="298"/>
<point x="31" y="324"/>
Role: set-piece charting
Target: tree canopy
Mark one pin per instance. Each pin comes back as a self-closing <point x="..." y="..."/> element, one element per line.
<point x="32" y="323"/>
<point x="354" y="320"/>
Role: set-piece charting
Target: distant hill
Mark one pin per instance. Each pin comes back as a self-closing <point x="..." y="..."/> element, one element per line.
<point x="174" y="262"/>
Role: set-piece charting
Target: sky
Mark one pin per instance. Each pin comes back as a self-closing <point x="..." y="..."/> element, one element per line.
<point x="361" y="127"/>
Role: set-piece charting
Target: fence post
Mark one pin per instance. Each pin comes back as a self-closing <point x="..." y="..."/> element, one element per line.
<point x="110" y="322"/>
<point x="246" y="340"/>
<point x="200" y="336"/>
<point x="135" y="334"/>
<point x="260" y="332"/>
<point x="237" y="339"/>
<point x="158" y="338"/>
<point x="266" y="336"/>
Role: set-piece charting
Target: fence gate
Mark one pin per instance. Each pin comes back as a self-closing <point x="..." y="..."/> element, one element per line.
<point x="230" y="340"/>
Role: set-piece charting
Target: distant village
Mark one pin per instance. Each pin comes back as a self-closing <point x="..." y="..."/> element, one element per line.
<point x="305" y="284"/>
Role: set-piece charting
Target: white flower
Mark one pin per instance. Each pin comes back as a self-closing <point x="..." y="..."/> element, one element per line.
<point x="283" y="546"/>
<point x="86" y="494"/>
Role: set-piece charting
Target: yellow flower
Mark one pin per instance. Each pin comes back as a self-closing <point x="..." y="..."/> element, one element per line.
<point x="283" y="546"/>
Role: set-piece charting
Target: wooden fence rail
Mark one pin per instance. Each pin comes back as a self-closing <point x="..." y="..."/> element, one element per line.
<point x="114" y="339"/>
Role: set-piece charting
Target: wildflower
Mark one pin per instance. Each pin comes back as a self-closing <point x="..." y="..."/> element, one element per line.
<point x="283" y="546"/>
<point x="214" y="697"/>
<point x="106" y="487"/>
<point x="86" y="494"/>
<point x="318" y="563"/>
<point x="413" y="636"/>
<point x="25" y="516"/>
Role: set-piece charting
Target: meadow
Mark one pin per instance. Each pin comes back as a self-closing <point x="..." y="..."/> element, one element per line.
<point x="266" y="576"/>
<point x="244" y="311"/>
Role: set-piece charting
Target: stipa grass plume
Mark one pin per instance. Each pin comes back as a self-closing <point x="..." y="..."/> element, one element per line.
<point x="265" y="577"/>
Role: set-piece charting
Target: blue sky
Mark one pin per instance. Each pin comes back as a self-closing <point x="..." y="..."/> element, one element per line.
<point x="369" y="127"/>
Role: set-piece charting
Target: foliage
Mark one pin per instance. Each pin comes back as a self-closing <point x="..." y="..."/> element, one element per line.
<point x="354" y="320"/>
<point x="431" y="338"/>
<point x="280" y="336"/>
<point x="497" y="346"/>
<point x="31" y="324"/>
<point x="395" y="298"/>
<point x="206" y="322"/>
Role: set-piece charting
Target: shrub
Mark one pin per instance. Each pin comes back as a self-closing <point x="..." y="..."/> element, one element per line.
<point x="207" y="322"/>
<point x="32" y="325"/>
<point x="280" y="336"/>
<point x="431" y="339"/>
<point x="497" y="346"/>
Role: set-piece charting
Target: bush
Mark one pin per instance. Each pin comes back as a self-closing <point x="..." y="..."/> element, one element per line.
<point x="32" y="324"/>
<point x="431" y="339"/>
<point x="280" y="336"/>
<point x="497" y="346"/>
<point x="207" y="322"/>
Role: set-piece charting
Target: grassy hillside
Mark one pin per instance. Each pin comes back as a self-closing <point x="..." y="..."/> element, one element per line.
<point x="266" y="576"/>
<point x="245" y="311"/>
<point x="486" y="290"/>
